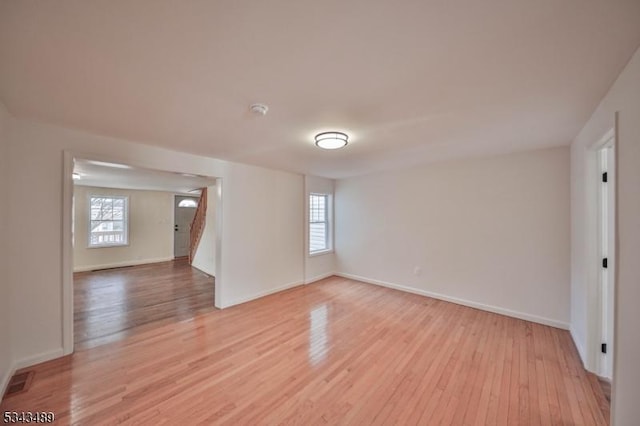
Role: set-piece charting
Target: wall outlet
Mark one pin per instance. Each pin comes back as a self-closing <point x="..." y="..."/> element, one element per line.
<point x="417" y="271"/>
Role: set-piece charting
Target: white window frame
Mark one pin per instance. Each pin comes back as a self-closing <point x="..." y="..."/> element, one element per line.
<point x="125" y="220"/>
<point x="327" y="221"/>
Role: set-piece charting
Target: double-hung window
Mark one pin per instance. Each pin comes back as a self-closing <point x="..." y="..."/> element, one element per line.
<point x="108" y="224"/>
<point x="319" y="224"/>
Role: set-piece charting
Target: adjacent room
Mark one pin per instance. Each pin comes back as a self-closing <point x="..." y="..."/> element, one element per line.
<point x="363" y="212"/>
<point x="144" y="246"/>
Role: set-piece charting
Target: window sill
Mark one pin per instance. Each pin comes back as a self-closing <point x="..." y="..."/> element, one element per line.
<point x="320" y="253"/>
<point x="108" y="246"/>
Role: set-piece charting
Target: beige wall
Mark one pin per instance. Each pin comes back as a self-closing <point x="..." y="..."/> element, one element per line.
<point x="488" y="232"/>
<point x="150" y="230"/>
<point x="322" y="265"/>
<point x="205" y="257"/>
<point x="624" y="98"/>
<point x="6" y="359"/>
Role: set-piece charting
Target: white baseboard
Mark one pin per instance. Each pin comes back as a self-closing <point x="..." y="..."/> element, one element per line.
<point x="199" y="268"/>
<point x="319" y="277"/>
<point x="261" y="294"/>
<point x="37" y="359"/>
<point x="27" y="362"/>
<point x="580" y="346"/>
<point x="469" y="303"/>
<point x="4" y="381"/>
<point x="121" y="264"/>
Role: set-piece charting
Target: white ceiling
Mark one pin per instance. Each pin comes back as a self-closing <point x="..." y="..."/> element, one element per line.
<point x="103" y="176"/>
<point x="411" y="81"/>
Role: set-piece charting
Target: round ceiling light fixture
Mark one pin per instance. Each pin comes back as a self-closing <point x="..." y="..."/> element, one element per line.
<point x="332" y="140"/>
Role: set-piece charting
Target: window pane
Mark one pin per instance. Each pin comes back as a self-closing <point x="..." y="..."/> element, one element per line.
<point x="118" y="213"/>
<point x="318" y="223"/>
<point x="107" y="225"/>
<point x="317" y="236"/>
<point x="317" y="208"/>
<point x="188" y="203"/>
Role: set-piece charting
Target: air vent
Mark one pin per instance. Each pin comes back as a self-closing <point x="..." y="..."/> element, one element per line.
<point x="19" y="383"/>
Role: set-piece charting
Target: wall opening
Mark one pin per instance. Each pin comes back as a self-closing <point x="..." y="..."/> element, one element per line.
<point x="118" y="273"/>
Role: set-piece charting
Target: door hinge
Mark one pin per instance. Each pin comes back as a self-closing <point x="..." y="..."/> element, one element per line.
<point x="604" y="177"/>
<point x="604" y="262"/>
<point x="603" y="348"/>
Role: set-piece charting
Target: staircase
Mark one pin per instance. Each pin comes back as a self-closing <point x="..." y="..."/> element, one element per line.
<point x="197" y="225"/>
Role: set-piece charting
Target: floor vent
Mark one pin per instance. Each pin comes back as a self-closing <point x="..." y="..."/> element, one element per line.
<point x="20" y="382"/>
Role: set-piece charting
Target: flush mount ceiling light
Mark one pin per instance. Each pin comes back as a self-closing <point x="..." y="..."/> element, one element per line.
<point x="331" y="140"/>
<point x="76" y="176"/>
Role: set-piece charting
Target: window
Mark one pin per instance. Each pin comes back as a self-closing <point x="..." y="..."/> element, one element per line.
<point x="108" y="225"/>
<point x="188" y="202"/>
<point x="318" y="223"/>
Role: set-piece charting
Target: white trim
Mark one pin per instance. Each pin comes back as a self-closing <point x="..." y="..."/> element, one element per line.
<point x="27" y="362"/>
<point x="67" y="253"/>
<point x="261" y="294"/>
<point x="4" y="381"/>
<point x="579" y="345"/>
<point x="320" y="252"/>
<point x="125" y="221"/>
<point x="122" y="264"/>
<point x="593" y="338"/>
<point x="203" y="271"/>
<point x="37" y="359"/>
<point x="328" y="210"/>
<point x="608" y="137"/>
<point x="318" y="277"/>
<point x="217" y="300"/>
<point x="107" y="245"/>
<point x="489" y="308"/>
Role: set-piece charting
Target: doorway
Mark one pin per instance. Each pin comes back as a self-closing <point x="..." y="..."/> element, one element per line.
<point x="184" y="210"/>
<point x="135" y="283"/>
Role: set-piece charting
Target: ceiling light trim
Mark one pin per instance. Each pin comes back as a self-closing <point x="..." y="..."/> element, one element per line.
<point x="331" y="140"/>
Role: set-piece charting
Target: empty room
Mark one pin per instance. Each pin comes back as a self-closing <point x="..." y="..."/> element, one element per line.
<point x="143" y="249"/>
<point x="409" y="212"/>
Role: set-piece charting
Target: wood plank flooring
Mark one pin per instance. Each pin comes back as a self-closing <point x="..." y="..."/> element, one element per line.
<point x="114" y="303"/>
<point x="334" y="352"/>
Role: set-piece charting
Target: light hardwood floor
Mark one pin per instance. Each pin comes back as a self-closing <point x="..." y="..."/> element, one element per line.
<point x="114" y="303"/>
<point x="334" y="352"/>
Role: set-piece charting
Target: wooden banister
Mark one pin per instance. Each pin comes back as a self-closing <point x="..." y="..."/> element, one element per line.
<point x="197" y="225"/>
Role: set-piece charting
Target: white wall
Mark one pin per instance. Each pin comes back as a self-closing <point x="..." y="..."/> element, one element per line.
<point x="6" y="358"/>
<point x="261" y="247"/>
<point x="150" y="230"/>
<point x="488" y="232"/>
<point x="322" y="265"/>
<point x="205" y="257"/>
<point x="263" y="228"/>
<point x="624" y="98"/>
